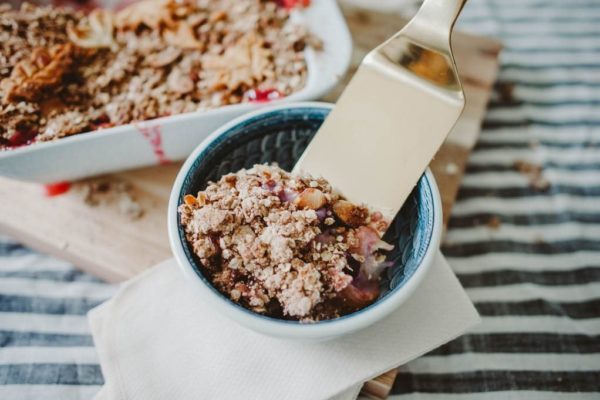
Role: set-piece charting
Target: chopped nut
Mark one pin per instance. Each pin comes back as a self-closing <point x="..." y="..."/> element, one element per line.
<point x="182" y="35"/>
<point x="152" y="13"/>
<point x="311" y="198"/>
<point x="96" y="33"/>
<point x="189" y="200"/>
<point x="349" y="213"/>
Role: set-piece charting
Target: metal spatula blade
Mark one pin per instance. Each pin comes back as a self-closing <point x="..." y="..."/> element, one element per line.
<point x="394" y="114"/>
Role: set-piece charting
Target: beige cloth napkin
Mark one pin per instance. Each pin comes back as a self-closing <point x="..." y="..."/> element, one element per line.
<point x="156" y="340"/>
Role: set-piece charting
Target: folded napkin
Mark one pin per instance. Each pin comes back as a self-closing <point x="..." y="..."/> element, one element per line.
<point x="156" y="339"/>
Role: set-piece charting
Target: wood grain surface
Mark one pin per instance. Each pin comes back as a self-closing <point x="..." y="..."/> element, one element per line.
<point x="106" y="243"/>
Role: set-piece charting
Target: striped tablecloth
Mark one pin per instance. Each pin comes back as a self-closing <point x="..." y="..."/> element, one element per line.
<point x="524" y="238"/>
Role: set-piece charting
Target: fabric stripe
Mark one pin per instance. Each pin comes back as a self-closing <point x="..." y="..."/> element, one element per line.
<point x="27" y="287"/>
<point x="68" y="276"/>
<point x="540" y="156"/>
<point x="55" y="392"/>
<point x="548" y="278"/>
<point x="575" y="310"/>
<point x="511" y="179"/>
<point x="531" y="262"/>
<point x="554" y="136"/>
<point x="33" y="262"/>
<point x="529" y="190"/>
<point x="9" y="247"/>
<point x="523" y="219"/>
<point x="504" y="167"/>
<point x="498" y="395"/>
<point x="508" y="246"/>
<point x="469" y="362"/>
<point x="46" y="305"/>
<point x="542" y="324"/>
<point x="533" y="142"/>
<point x="44" y="323"/>
<point x="18" y="338"/>
<point x="529" y="291"/>
<point x="48" y="355"/>
<point x="566" y="114"/>
<point x="521" y="343"/>
<point x="60" y="374"/>
<point x="481" y="381"/>
<point x="508" y="206"/>
<point x="525" y="234"/>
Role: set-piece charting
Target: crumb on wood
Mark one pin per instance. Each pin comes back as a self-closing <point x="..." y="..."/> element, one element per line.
<point x="110" y="192"/>
<point x="452" y="168"/>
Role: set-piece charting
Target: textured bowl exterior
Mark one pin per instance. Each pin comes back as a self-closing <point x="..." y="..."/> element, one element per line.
<point x="280" y="134"/>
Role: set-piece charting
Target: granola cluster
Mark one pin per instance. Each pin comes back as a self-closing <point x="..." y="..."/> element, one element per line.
<point x="63" y="72"/>
<point x="286" y="246"/>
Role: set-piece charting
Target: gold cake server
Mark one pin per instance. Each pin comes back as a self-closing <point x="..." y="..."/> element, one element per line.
<point x="394" y="114"/>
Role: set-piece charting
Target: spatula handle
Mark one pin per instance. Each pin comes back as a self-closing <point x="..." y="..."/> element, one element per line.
<point x="434" y="21"/>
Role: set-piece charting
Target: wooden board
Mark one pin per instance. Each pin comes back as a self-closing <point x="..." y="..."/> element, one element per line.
<point x="106" y="243"/>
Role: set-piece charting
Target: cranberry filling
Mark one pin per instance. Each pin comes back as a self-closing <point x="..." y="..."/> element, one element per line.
<point x="261" y="96"/>
<point x="289" y="4"/>
<point x="22" y="138"/>
<point x="57" y="188"/>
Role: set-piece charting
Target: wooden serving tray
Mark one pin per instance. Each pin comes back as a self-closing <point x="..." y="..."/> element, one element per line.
<point x="105" y="242"/>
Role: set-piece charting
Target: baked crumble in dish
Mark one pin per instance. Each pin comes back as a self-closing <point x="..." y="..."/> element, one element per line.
<point x="286" y="246"/>
<point x="64" y="72"/>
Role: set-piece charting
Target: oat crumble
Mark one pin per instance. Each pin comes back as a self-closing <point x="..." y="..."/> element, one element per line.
<point x="286" y="246"/>
<point x="64" y="72"/>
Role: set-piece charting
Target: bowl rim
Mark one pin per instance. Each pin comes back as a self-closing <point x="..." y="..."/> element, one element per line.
<point x="282" y="328"/>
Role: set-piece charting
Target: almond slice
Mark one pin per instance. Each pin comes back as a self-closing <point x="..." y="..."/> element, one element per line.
<point x="311" y="198"/>
<point x="182" y="36"/>
<point x="97" y="33"/>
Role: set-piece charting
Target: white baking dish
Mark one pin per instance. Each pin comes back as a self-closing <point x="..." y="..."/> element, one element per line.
<point x="173" y="138"/>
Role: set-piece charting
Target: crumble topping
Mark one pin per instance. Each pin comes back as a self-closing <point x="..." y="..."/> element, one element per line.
<point x="286" y="246"/>
<point x="153" y="58"/>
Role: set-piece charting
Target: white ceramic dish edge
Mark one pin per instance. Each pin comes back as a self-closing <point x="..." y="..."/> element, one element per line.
<point x="280" y="329"/>
<point x="172" y="138"/>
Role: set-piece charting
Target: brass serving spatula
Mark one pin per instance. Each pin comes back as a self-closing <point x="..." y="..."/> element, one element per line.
<point x="394" y="114"/>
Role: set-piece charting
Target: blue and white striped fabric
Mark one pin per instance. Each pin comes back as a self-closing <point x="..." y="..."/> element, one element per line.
<point x="46" y="350"/>
<point x="534" y="273"/>
<point x="529" y="257"/>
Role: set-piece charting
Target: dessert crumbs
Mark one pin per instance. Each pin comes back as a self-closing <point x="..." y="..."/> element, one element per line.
<point x="285" y="246"/>
<point x="110" y="191"/>
<point x="64" y="72"/>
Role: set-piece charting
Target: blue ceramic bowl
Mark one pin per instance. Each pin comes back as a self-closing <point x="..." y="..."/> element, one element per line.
<point x="280" y="134"/>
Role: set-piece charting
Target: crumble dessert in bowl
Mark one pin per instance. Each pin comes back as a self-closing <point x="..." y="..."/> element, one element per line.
<point x="285" y="255"/>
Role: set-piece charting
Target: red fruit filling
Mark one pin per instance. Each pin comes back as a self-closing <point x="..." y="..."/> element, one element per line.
<point x="289" y="4"/>
<point x="261" y="96"/>
<point x="57" y="188"/>
<point x="22" y="138"/>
